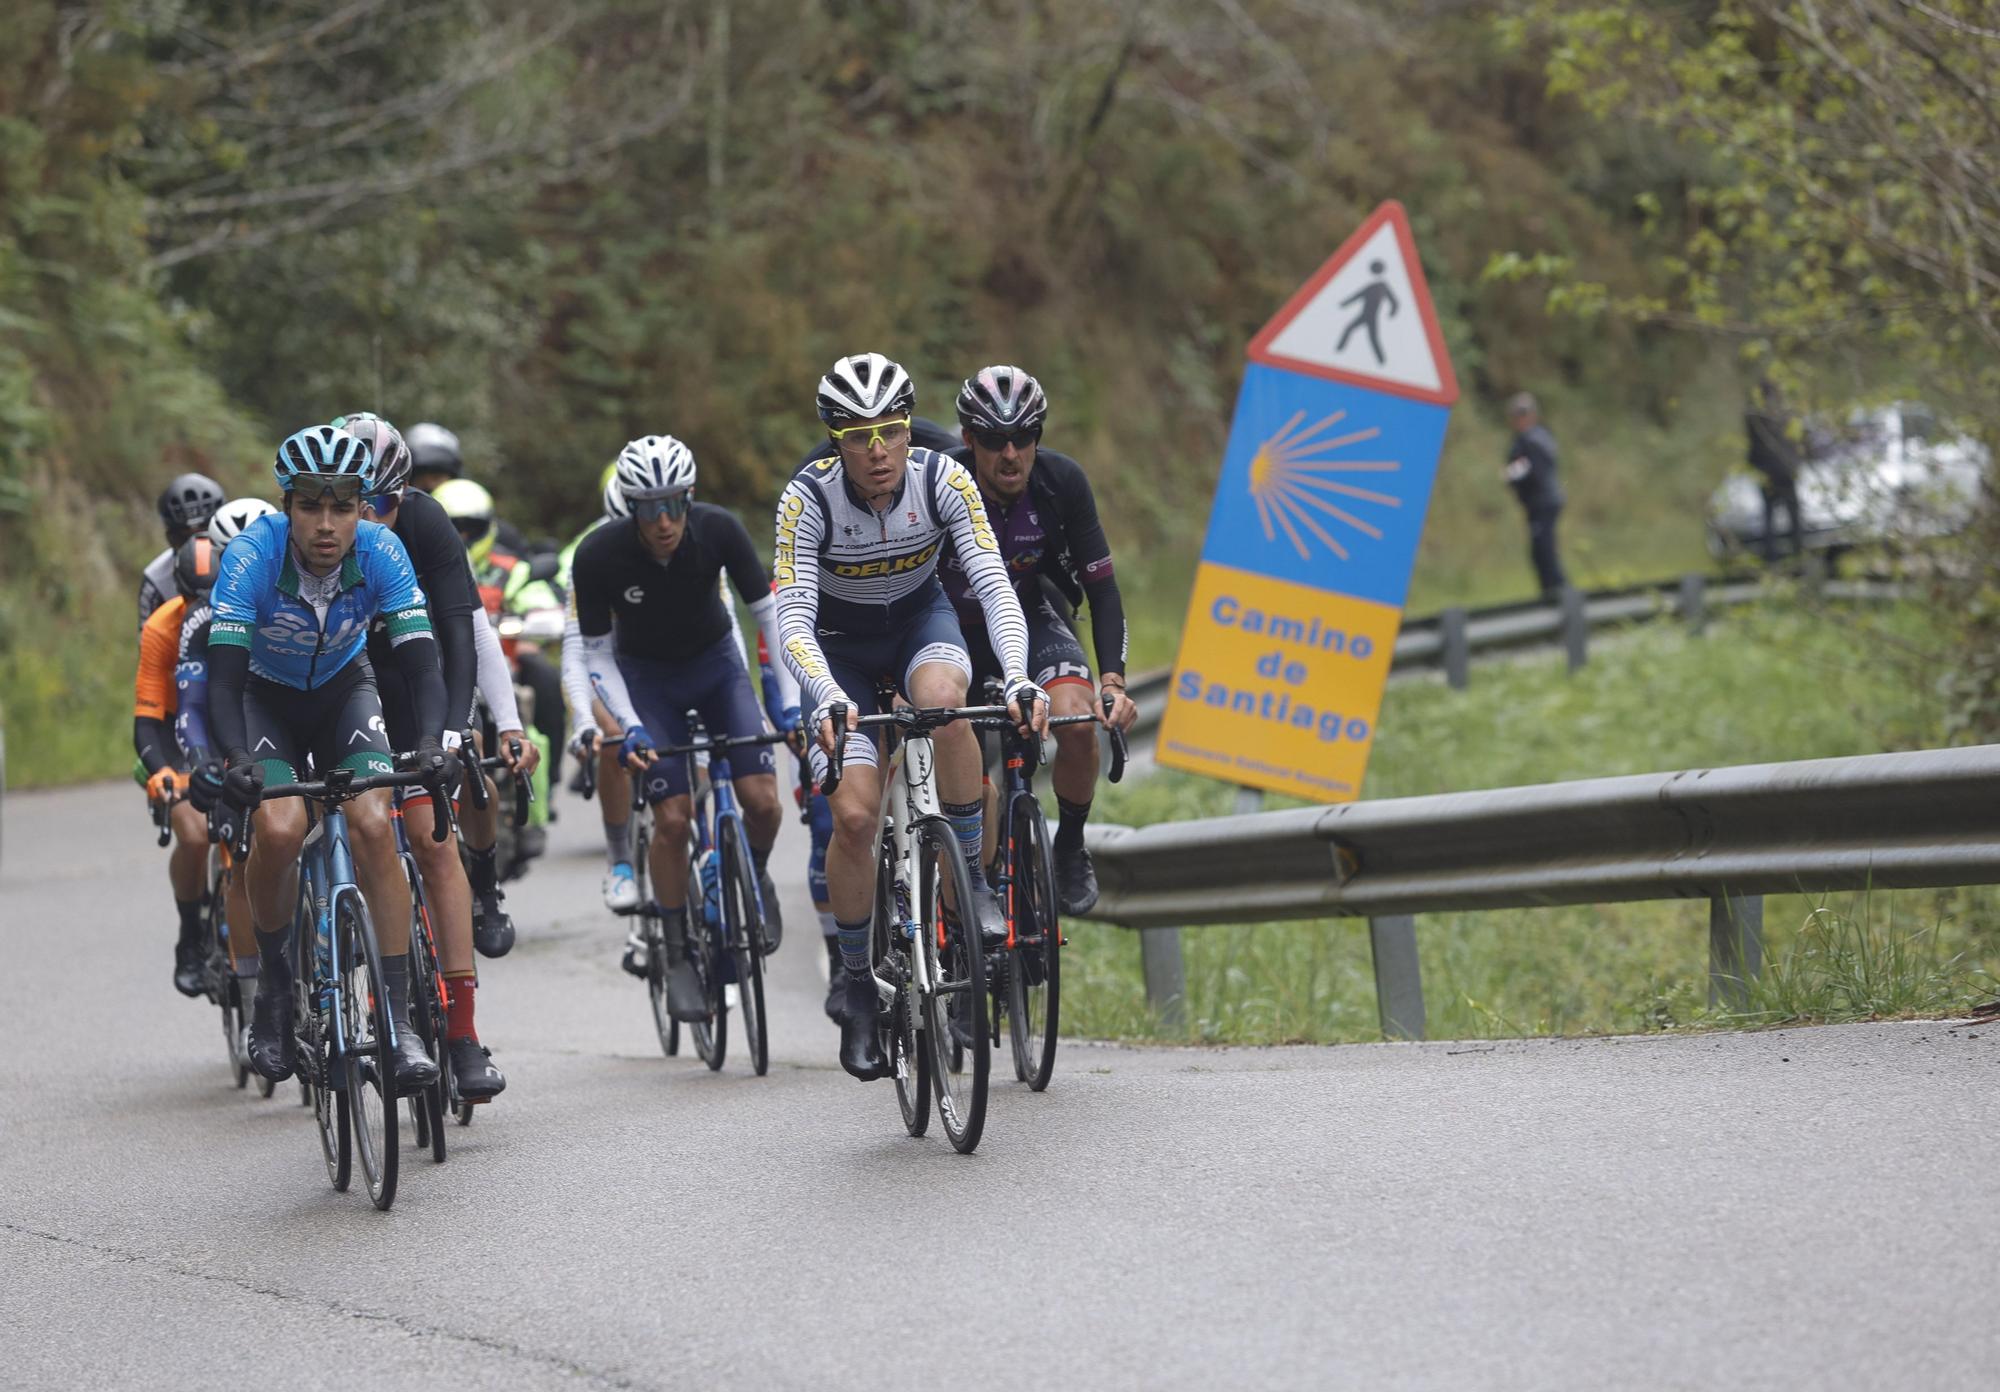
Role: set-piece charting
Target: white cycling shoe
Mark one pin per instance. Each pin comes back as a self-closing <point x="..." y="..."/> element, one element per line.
<point x="621" y="888"/>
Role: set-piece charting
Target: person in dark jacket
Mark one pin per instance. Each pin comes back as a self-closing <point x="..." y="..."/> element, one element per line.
<point x="1531" y="471"/>
<point x="1772" y="453"/>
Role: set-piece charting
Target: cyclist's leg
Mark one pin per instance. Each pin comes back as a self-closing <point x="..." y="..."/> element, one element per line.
<point x="660" y="694"/>
<point x="938" y="672"/>
<point x="271" y="715"/>
<point x="446" y="889"/>
<point x="855" y="818"/>
<point x="729" y="707"/>
<point x="1056" y="661"/>
<point x="614" y="805"/>
<point x="985" y="666"/>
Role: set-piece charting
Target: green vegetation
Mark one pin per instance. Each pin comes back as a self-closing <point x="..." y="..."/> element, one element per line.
<point x="1780" y="683"/>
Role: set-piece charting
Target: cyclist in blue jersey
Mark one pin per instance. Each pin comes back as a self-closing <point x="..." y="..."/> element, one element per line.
<point x="288" y="678"/>
<point x="858" y="537"/>
<point x="1045" y="516"/>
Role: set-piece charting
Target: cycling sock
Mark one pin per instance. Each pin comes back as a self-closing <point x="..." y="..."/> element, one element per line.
<point x="271" y="958"/>
<point x="829" y="926"/>
<point x="458" y="992"/>
<point x="618" y="842"/>
<point x="246" y="966"/>
<point x="673" y="928"/>
<point x="396" y="982"/>
<point x="854" y="943"/>
<point x="1069" y="825"/>
<point x="190" y="921"/>
<point x="968" y="819"/>
<point x="483" y="871"/>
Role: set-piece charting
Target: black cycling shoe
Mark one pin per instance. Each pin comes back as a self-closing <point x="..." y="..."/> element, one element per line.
<point x="685" y="1001"/>
<point x="414" y="1067"/>
<point x="774" y="920"/>
<point x="836" y="984"/>
<point x="992" y="920"/>
<point x="190" y="969"/>
<point x="860" y="1042"/>
<point x="959" y="1014"/>
<point x="271" y="1030"/>
<point x="1076" y="882"/>
<point x="472" y="1070"/>
<point x="492" y="928"/>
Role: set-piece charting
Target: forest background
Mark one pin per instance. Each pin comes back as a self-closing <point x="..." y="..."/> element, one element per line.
<point x="552" y="228"/>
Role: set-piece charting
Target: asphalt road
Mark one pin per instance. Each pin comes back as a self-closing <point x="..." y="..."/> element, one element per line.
<point x="1812" y="1207"/>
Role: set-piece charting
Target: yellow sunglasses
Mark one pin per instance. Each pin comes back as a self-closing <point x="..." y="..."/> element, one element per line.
<point x="891" y="433"/>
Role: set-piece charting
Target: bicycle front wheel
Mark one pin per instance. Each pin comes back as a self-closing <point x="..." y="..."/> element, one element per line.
<point x="427" y="1018"/>
<point x="909" y="1061"/>
<point x="957" y="992"/>
<point x="705" y="951"/>
<point x="367" y="1056"/>
<point x="1034" y="979"/>
<point x="744" y="928"/>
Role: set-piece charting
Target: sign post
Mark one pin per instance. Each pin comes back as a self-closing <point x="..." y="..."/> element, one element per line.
<point x="1314" y="531"/>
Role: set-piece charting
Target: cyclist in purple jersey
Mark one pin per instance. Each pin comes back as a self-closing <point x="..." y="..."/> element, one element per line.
<point x="1045" y="516"/>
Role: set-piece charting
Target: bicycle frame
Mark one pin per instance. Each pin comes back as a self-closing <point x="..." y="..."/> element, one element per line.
<point x="911" y="797"/>
<point x="326" y="878"/>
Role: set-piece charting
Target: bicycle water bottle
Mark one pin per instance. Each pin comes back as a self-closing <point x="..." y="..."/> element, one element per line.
<point x="711" y="889"/>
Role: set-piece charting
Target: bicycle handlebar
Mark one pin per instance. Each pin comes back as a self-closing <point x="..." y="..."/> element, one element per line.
<point x="341" y="785"/>
<point x="163" y="813"/>
<point x="909" y="719"/>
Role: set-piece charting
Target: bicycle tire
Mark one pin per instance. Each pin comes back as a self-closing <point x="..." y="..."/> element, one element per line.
<point x="229" y="993"/>
<point x="312" y="1052"/>
<point x="368" y="1059"/>
<point x="1034" y="977"/>
<point x="704" y="949"/>
<point x="744" y="933"/>
<point x="909" y="1062"/>
<point x="958" y="961"/>
<point x="427" y="1018"/>
<point x="664" y="1024"/>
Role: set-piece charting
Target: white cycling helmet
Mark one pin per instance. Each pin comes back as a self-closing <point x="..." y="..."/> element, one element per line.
<point x="233" y="516"/>
<point x="654" y="466"/>
<point x="865" y="386"/>
<point x="614" y="500"/>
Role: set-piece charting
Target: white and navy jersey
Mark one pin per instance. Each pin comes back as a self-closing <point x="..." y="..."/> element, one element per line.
<point x="842" y="567"/>
<point x="157" y="585"/>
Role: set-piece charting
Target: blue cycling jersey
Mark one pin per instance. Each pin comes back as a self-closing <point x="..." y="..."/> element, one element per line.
<point x="303" y="630"/>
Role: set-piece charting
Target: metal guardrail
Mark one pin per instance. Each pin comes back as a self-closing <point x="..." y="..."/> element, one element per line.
<point x="1927" y="819"/>
<point x="1451" y="639"/>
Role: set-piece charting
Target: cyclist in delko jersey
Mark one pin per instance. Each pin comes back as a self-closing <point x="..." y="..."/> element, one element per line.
<point x="858" y="598"/>
<point x="288" y="677"/>
<point x="1045" y="516"/>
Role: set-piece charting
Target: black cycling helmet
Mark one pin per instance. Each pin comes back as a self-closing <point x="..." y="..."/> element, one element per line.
<point x="195" y="565"/>
<point x="434" y="450"/>
<point x="190" y="501"/>
<point x="385" y="444"/>
<point x="1002" y="399"/>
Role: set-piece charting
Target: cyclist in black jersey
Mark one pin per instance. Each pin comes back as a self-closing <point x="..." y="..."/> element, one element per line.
<point x="656" y="642"/>
<point x="459" y="625"/>
<point x="1045" y="516"/>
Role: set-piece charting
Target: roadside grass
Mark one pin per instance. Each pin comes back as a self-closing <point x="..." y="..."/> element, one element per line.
<point x="1781" y="682"/>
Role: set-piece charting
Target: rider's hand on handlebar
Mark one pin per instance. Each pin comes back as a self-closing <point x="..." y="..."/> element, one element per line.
<point x="638" y="748"/>
<point x="1029" y="705"/>
<point x="792" y="725"/>
<point x="823" y="724"/>
<point x="520" y="752"/>
<point x="1121" y="712"/>
<point x="205" y="785"/>
<point x="583" y="743"/>
<point x="243" y="780"/>
<point x="166" y="785"/>
<point x="431" y="760"/>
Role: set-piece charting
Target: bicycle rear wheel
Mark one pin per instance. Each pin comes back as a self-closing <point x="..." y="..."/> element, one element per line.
<point x="664" y="1024"/>
<point x="427" y="1018"/>
<point x="1034" y="978"/>
<point x="229" y="990"/>
<point x="958" y="981"/>
<point x="744" y="932"/>
<point x="367" y="1058"/>
<point x="909" y="1062"/>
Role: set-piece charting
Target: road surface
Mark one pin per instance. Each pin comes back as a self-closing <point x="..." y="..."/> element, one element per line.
<point x="1804" y="1207"/>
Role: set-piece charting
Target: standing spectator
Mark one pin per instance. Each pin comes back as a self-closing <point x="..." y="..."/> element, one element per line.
<point x="1767" y="425"/>
<point x="1531" y="470"/>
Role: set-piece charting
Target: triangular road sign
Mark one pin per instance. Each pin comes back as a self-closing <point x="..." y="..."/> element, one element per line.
<point x="1365" y="317"/>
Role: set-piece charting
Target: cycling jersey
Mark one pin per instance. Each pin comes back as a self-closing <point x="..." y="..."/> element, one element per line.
<point x="154" y="697"/>
<point x="437" y="554"/>
<point x="1050" y="530"/>
<point x="191" y="685"/>
<point x="628" y="605"/>
<point x="848" y="570"/>
<point x="156" y="584"/>
<point x="299" y="629"/>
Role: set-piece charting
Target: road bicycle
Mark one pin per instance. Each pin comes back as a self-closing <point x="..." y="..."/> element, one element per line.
<point x="344" y="1035"/>
<point x="1026" y="980"/>
<point x="230" y="994"/>
<point x="926" y="948"/>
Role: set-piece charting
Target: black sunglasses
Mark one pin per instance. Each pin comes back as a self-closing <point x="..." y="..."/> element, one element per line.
<point x="997" y="440"/>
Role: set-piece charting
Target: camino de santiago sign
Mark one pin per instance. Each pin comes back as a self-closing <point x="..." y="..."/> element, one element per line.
<point x="1324" y="486"/>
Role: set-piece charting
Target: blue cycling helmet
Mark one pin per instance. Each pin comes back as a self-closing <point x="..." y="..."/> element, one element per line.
<point x="323" y="453"/>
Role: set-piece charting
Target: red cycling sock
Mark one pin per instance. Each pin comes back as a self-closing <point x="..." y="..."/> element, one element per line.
<point x="458" y="1008"/>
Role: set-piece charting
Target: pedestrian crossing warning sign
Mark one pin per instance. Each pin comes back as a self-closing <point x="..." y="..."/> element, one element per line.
<point x="1365" y="317"/>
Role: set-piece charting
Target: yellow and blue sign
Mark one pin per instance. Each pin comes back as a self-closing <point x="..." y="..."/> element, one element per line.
<point x="1325" y="482"/>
